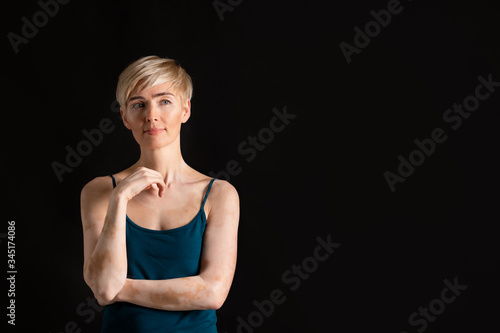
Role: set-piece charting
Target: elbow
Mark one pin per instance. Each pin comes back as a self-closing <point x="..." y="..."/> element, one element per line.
<point x="215" y="303"/>
<point x="218" y="304"/>
<point x="104" y="293"/>
<point x="104" y="297"/>
<point x="217" y="297"/>
<point x="215" y="292"/>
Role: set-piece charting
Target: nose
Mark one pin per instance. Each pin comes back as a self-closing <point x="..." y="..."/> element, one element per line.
<point x="152" y="115"/>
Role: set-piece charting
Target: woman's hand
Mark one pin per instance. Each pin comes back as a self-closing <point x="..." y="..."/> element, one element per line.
<point x="141" y="179"/>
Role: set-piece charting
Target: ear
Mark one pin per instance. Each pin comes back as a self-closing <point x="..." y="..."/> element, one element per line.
<point x="124" y="118"/>
<point x="186" y="111"/>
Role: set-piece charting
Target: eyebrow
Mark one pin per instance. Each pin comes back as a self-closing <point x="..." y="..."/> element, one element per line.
<point x="154" y="96"/>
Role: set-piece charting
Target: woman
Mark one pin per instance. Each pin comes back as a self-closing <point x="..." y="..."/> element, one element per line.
<point x="160" y="238"/>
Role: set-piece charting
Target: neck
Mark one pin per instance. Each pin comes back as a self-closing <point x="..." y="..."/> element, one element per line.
<point x="166" y="160"/>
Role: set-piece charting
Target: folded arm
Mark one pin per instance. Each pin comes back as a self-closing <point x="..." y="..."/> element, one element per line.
<point x="104" y="233"/>
<point x="208" y="289"/>
<point x="105" y="257"/>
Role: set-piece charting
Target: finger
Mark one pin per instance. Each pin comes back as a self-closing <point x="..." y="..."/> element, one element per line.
<point x="161" y="190"/>
<point x="160" y="186"/>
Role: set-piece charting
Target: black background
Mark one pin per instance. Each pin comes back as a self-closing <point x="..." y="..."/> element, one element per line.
<point x="322" y="175"/>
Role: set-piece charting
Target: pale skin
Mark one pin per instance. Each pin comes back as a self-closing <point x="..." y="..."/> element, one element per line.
<point x="160" y="191"/>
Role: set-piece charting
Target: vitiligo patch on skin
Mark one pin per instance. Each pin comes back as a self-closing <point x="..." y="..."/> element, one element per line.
<point x="192" y="292"/>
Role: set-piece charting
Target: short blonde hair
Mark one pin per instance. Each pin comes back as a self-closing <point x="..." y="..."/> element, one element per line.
<point x="150" y="71"/>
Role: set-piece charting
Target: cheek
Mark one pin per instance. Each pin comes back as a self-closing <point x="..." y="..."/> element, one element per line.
<point x="133" y="121"/>
<point x="172" y="119"/>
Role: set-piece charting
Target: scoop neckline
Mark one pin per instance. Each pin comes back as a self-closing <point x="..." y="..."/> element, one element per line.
<point x="187" y="225"/>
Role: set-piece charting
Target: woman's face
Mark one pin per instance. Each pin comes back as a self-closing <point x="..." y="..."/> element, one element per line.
<point x="154" y="115"/>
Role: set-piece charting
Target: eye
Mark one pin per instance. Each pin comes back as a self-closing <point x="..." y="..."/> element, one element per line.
<point x="165" y="102"/>
<point x="137" y="105"/>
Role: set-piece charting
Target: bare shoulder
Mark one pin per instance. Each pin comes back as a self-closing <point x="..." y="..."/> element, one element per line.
<point x="223" y="195"/>
<point x="95" y="198"/>
<point x="97" y="187"/>
<point x="223" y="188"/>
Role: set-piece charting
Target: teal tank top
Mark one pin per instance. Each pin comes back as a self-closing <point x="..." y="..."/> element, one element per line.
<point x="158" y="255"/>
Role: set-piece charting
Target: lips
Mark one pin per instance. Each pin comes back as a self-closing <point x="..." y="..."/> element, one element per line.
<point x="154" y="131"/>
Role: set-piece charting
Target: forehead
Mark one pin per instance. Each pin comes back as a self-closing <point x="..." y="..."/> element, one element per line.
<point x="154" y="90"/>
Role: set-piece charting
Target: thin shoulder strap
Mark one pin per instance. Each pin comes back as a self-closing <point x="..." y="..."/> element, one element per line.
<point x="208" y="191"/>
<point x="114" y="181"/>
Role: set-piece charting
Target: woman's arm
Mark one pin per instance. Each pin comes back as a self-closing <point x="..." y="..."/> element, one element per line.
<point x="208" y="289"/>
<point x="103" y="220"/>
<point x="105" y="256"/>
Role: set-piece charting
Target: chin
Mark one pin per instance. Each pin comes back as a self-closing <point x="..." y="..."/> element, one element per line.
<point x="155" y="143"/>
